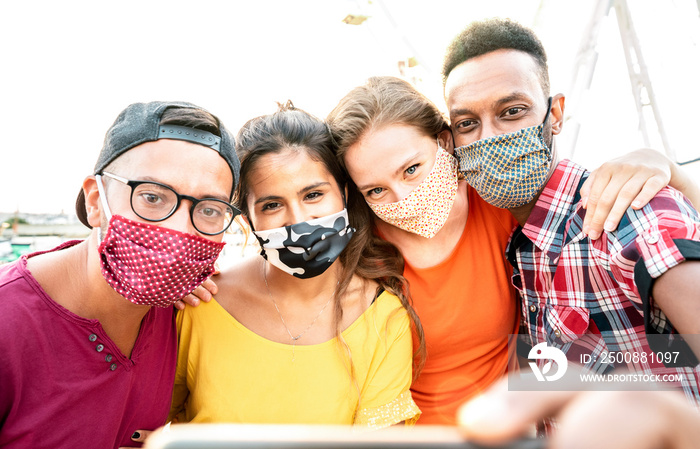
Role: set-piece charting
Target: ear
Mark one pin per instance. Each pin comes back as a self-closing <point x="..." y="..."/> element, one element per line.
<point x="93" y="207"/>
<point x="446" y="142"/>
<point x="557" y="112"/>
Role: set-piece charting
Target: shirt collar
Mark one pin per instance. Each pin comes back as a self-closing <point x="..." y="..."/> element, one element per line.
<point x="557" y="217"/>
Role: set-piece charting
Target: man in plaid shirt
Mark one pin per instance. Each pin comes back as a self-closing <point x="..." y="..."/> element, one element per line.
<point x="593" y="299"/>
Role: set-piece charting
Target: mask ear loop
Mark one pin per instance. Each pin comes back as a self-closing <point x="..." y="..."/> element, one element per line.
<point x="250" y="223"/>
<point x="103" y="197"/>
<point x="544" y="125"/>
<point x="345" y="199"/>
<point x="105" y="206"/>
<point x="452" y="136"/>
<point x="549" y="109"/>
<point x="262" y="249"/>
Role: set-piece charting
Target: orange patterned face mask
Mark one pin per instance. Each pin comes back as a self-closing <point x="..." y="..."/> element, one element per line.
<point x="424" y="211"/>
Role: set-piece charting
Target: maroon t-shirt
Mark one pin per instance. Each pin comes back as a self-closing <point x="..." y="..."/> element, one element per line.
<point x="64" y="383"/>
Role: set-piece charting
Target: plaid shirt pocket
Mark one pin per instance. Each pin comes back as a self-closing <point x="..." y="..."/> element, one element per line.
<point x="564" y="324"/>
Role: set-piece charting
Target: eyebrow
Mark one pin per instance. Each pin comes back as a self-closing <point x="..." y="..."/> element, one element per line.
<point x="503" y="100"/>
<point x="224" y="198"/>
<point x="299" y="192"/>
<point x="399" y="170"/>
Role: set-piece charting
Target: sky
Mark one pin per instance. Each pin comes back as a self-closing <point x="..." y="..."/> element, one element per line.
<point x="69" y="68"/>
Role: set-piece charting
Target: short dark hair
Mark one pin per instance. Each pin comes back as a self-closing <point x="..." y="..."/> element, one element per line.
<point x="489" y="35"/>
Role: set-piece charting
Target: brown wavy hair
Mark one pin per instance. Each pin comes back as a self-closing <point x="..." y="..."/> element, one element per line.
<point x="382" y="101"/>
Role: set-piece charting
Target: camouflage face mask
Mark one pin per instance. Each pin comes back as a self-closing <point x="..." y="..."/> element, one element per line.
<point x="308" y="248"/>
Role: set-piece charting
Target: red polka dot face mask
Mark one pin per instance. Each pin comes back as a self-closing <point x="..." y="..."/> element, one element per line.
<point x="152" y="265"/>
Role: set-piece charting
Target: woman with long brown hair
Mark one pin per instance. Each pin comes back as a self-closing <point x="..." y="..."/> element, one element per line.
<point x="318" y="329"/>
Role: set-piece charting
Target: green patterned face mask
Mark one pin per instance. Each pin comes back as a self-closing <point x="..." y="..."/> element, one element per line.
<point x="507" y="170"/>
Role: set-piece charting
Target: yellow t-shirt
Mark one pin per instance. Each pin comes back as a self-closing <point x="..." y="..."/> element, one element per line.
<point x="227" y="373"/>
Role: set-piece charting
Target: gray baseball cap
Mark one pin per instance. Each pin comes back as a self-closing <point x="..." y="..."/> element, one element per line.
<point x="140" y="123"/>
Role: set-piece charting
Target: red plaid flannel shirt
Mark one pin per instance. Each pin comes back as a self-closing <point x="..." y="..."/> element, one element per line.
<point x="579" y="294"/>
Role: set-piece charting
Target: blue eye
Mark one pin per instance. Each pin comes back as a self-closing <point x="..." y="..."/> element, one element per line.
<point x="412" y="169"/>
<point x="375" y="191"/>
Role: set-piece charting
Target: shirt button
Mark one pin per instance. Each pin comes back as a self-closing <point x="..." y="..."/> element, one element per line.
<point x="533" y="308"/>
<point x="557" y="333"/>
<point x="108" y="358"/>
<point x="99" y="347"/>
<point x="113" y="366"/>
<point x="653" y="238"/>
<point x="92" y="337"/>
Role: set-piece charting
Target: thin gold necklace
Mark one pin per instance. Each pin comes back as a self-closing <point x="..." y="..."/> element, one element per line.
<point x="291" y="337"/>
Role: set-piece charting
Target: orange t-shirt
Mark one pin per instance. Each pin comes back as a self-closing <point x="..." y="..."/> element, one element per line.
<point x="468" y="309"/>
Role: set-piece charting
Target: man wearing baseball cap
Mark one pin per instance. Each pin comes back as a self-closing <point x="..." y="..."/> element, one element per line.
<point x="87" y="337"/>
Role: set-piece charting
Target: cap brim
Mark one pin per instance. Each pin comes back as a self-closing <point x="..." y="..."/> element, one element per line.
<point x="80" y="210"/>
